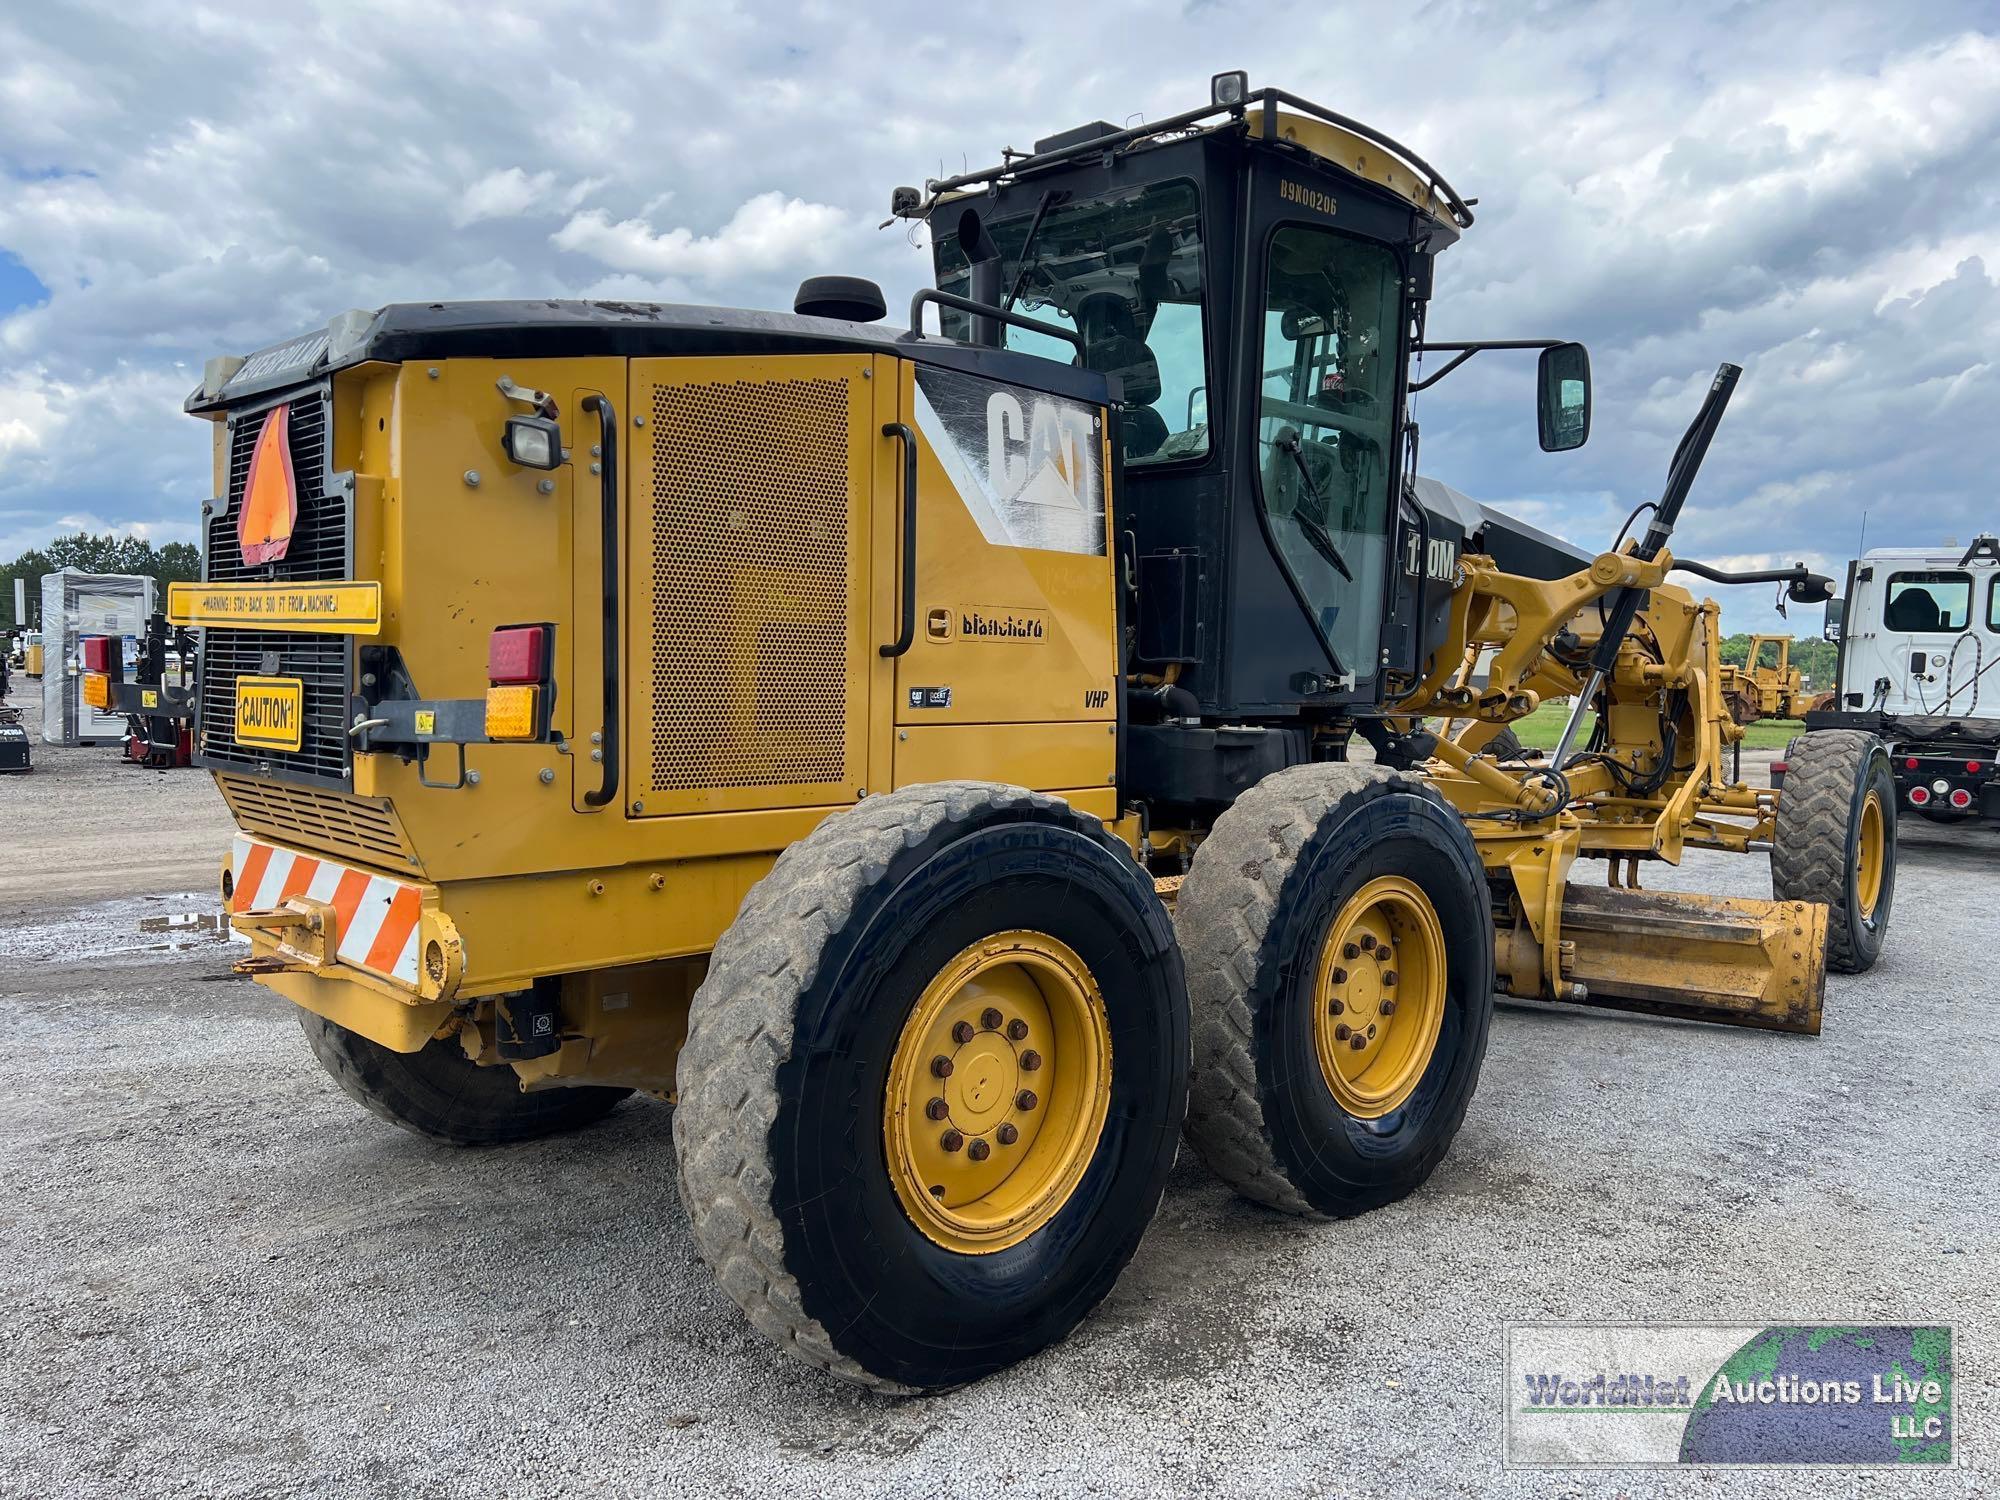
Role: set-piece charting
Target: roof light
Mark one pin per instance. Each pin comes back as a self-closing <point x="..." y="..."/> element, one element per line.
<point x="1227" y="89"/>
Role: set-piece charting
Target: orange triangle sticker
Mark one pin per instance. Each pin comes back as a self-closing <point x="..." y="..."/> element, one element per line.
<point x="270" y="506"/>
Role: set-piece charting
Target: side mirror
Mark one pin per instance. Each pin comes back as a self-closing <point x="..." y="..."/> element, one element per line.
<point x="1836" y="617"/>
<point x="1562" y="405"/>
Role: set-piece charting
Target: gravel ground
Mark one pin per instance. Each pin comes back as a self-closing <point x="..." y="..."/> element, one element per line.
<point x="222" y="1278"/>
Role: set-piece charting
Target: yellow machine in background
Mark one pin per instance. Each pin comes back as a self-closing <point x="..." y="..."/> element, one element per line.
<point x="1767" y="685"/>
<point x="813" y="723"/>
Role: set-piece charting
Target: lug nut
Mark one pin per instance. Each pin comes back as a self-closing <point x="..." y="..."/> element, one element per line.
<point x="978" y="1150"/>
<point x="962" y="1032"/>
<point x="941" y="1067"/>
<point x="1359" y="1042"/>
<point x="1006" y="1135"/>
<point x="1388" y="976"/>
<point x="1026" y="1099"/>
<point x="1388" y="1007"/>
<point x="1017" y="1030"/>
<point x="1342" y="1032"/>
<point x="1030" y="1060"/>
<point x="1336" y="1008"/>
<point x="1367" y="942"/>
<point x="1351" y="951"/>
<point x="990" y="1018"/>
<point x="937" y="1109"/>
<point x="951" y="1140"/>
<point x="1339" y="975"/>
<point x="1371" y="1030"/>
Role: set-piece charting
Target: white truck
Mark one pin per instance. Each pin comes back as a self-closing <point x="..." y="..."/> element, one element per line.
<point x="1919" y="636"/>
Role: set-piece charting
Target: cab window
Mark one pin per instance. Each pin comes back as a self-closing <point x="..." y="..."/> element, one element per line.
<point x="1993" y="605"/>
<point x="1328" y="391"/>
<point x="1927" y="603"/>
<point x="1124" y="271"/>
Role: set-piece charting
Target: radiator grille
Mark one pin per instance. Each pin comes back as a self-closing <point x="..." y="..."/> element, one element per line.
<point x="364" y="830"/>
<point x="750" y="606"/>
<point x="319" y="551"/>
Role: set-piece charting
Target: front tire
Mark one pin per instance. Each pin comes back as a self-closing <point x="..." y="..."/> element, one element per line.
<point x="441" y="1094"/>
<point x="880" y="994"/>
<point x="1339" y="946"/>
<point x="1835" y="842"/>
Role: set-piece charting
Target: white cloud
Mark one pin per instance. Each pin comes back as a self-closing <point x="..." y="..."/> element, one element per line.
<point x="767" y="233"/>
<point x="502" y="195"/>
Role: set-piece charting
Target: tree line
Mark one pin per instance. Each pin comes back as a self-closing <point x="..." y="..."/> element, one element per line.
<point x="109" y="553"/>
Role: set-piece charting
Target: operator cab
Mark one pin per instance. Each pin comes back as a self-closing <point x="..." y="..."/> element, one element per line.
<point x="1255" y="275"/>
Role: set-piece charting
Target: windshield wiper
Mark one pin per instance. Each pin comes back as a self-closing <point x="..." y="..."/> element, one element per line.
<point x="1322" y="541"/>
<point x="1050" y="197"/>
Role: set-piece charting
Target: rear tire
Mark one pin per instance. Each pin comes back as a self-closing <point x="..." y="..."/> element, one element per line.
<point x="1271" y="891"/>
<point x="441" y="1094"/>
<point x="1836" y="840"/>
<point x="828" y="1004"/>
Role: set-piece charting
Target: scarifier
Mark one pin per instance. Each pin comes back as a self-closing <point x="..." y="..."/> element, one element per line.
<point x="923" y="756"/>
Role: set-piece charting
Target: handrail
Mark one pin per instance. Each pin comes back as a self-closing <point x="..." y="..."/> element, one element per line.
<point x="607" y="424"/>
<point x="906" y="633"/>
<point x="984" y="310"/>
<point x="1461" y="212"/>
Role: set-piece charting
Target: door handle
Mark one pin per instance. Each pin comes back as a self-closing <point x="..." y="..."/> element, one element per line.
<point x="906" y="632"/>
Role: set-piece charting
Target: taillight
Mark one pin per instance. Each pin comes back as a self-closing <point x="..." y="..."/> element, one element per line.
<point x="1973" y="767"/>
<point x="96" y="651"/>
<point x="1920" y="796"/>
<point x="97" y="690"/>
<point x="1780" y="767"/>
<point x="1961" y="798"/>
<point x="518" y="653"/>
<point x="517" y="674"/>
<point x="1910" y="763"/>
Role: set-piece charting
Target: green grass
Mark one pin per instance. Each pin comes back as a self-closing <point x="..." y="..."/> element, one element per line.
<point x="1542" y="728"/>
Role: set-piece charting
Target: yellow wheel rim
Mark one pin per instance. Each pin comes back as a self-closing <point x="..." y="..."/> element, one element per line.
<point x="1378" y="998"/>
<point x="997" y="1092"/>
<point x="1871" y="856"/>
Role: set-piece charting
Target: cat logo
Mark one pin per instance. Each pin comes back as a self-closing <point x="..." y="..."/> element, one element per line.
<point x="1096" y="698"/>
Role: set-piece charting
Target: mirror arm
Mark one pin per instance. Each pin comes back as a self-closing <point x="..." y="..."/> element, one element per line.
<point x="1466" y="351"/>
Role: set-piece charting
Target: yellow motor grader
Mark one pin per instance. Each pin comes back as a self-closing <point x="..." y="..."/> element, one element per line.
<point x="923" y="756"/>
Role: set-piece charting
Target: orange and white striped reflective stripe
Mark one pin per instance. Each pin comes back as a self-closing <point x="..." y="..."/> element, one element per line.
<point x="377" y="916"/>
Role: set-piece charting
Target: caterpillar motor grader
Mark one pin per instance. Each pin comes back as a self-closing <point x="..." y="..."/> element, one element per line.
<point x="924" y="755"/>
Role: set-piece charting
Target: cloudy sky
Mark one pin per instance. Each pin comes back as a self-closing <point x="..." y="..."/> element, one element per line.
<point x="1809" y="190"/>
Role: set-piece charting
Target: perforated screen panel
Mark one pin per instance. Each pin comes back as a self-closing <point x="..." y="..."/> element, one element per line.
<point x="752" y="597"/>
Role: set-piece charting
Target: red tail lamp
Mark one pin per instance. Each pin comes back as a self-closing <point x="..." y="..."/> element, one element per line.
<point x="1961" y="798"/>
<point x="1909" y="763"/>
<point x="1920" y="796"/>
<point x="518" y="653"/>
<point x="96" y="651"/>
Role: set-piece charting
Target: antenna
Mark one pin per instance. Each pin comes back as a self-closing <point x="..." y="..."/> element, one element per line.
<point x="1861" y="547"/>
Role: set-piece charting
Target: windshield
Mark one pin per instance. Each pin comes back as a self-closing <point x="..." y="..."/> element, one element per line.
<point x="1329" y="386"/>
<point x="1123" y="270"/>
